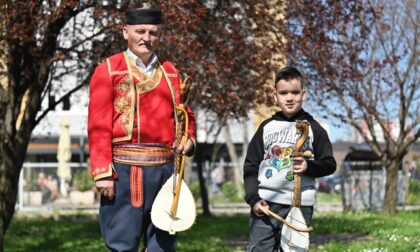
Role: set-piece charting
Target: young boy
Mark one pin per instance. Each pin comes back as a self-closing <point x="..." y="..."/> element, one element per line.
<point x="269" y="165"/>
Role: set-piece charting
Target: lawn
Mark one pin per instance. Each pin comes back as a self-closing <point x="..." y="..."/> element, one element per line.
<point x="332" y="232"/>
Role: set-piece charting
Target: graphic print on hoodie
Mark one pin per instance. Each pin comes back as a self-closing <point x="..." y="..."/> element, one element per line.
<point x="275" y="173"/>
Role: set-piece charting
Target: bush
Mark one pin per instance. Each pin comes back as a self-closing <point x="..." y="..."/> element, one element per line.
<point x="414" y="186"/>
<point x="414" y="192"/>
<point x="84" y="181"/>
<point x="229" y="191"/>
<point x="195" y="190"/>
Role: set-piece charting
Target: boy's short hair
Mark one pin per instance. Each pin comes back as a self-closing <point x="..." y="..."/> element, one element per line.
<point x="289" y="73"/>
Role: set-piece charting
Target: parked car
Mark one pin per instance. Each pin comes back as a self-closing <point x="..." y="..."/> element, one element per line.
<point x="330" y="184"/>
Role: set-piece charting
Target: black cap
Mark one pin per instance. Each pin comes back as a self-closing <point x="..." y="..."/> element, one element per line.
<point x="144" y="16"/>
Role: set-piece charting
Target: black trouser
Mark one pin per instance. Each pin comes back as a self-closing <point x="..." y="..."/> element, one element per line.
<point x="126" y="219"/>
<point x="265" y="231"/>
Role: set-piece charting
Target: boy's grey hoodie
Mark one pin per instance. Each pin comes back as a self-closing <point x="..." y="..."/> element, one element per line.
<point x="268" y="169"/>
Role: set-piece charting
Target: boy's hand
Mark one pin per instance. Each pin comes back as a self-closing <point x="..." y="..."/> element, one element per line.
<point x="299" y="165"/>
<point x="260" y="208"/>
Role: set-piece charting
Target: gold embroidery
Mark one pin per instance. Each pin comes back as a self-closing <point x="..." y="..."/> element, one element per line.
<point x="122" y="103"/>
<point x="97" y="172"/>
<point x="126" y="89"/>
<point x="118" y="72"/>
<point x="146" y="83"/>
<point x="172" y="75"/>
<point x="138" y="115"/>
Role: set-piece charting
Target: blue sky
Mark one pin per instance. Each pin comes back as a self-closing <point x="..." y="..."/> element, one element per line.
<point x="339" y="133"/>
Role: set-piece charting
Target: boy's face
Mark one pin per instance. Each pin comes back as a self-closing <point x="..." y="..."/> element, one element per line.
<point x="289" y="96"/>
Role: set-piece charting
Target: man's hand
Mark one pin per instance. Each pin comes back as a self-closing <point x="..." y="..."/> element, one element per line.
<point x="260" y="208"/>
<point x="185" y="148"/>
<point x="299" y="165"/>
<point x="105" y="187"/>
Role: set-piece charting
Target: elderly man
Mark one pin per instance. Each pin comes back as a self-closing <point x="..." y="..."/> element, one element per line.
<point x="131" y="128"/>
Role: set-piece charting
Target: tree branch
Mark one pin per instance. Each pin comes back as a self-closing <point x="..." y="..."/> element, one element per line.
<point x="45" y="112"/>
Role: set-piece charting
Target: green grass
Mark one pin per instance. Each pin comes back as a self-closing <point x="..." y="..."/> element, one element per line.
<point x="328" y="198"/>
<point x="413" y="197"/>
<point x="50" y="235"/>
<point x="208" y="234"/>
<point x="382" y="232"/>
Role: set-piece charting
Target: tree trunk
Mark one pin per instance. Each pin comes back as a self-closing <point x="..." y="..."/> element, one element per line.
<point x="245" y="145"/>
<point x="390" y="200"/>
<point x="8" y="196"/>
<point x="235" y="160"/>
<point x="9" y="178"/>
<point x="203" y="188"/>
<point x="14" y="140"/>
<point x="214" y="155"/>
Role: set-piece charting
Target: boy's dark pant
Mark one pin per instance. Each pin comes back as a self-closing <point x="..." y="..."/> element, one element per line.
<point x="265" y="231"/>
<point x="124" y="224"/>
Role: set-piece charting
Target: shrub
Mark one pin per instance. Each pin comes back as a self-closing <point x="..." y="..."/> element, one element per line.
<point x="414" y="192"/>
<point x="229" y="191"/>
<point x="84" y="181"/>
<point x="414" y="186"/>
<point x="195" y="189"/>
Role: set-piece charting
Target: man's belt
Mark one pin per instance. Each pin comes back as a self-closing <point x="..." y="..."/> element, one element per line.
<point x="142" y="154"/>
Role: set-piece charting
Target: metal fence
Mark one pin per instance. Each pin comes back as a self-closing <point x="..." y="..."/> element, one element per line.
<point x="40" y="188"/>
<point x="363" y="185"/>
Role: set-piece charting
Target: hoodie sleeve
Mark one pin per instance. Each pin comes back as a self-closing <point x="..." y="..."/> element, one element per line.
<point x="254" y="156"/>
<point x="324" y="163"/>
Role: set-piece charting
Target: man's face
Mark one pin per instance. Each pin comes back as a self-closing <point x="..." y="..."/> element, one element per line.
<point x="289" y="96"/>
<point x="142" y="39"/>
